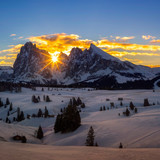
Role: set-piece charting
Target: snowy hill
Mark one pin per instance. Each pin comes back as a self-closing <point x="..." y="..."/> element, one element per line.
<point x="140" y="130"/>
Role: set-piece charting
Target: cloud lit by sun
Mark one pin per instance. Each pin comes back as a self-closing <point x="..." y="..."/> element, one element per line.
<point x="62" y="42"/>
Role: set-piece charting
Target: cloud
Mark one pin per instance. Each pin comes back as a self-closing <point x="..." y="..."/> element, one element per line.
<point x="155" y="41"/>
<point x="14" y="49"/>
<point x="12" y="35"/>
<point x="4" y="63"/>
<point x="123" y="39"/>
<point x="62" y="42"/>
<point x="148" y="37"/>
<point x="134" y="60"/>
<point x="153" y="66"/>
<point x="20" y="37"/>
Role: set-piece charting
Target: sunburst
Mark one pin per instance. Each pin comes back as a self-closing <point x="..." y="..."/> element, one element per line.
<point x="53" y="60"/>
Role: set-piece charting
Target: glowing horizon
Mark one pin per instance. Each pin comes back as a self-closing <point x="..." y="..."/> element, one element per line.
<point x="120" y="47"/>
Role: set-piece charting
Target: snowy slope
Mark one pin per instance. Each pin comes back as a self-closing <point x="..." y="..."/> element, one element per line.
<point x="41" y="152"/>
<point x="138" y="130"/>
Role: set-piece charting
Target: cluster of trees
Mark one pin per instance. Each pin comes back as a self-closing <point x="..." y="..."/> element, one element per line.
<point x="69" y="120"/>
<point x="102" y="108"/>
<point x="35" y="99"/>
<point x="46" y="98"/>
<point x="132" y="108"/>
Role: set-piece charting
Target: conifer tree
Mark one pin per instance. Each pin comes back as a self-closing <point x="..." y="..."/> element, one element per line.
<point x="40" y="133"/>
<point x="7" y="101"/>
<point x="127" y="112"/>
<point x="39" y="114"/>
<point x="10" y="108"/>
<point x="131" y="106"/>
<point x="48" y="99"/>
<point x="146" y="103"/>
<point x="46" y="112"/>
<point x="90" y="137"/>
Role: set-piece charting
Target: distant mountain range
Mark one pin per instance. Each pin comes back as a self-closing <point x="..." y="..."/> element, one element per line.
<point x="89" y="68"/>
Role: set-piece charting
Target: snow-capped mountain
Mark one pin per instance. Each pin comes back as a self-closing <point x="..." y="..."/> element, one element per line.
<point x="33" y="64"/>
<point x="91" y="66"/>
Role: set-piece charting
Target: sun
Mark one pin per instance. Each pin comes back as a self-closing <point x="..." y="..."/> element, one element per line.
<point x="54" y="58"/>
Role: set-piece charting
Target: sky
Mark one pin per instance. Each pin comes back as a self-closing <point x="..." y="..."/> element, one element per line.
<point x="127" y="29"/>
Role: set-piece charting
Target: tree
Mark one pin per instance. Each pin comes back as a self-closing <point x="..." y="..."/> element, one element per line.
<point x="7" y="101"/>
<point x="146" y="103"/>
<point x="39" y="114"/>
<point x="127" y="112"/>
<point x="131" y="106"/>
<point x="10" y="108"/>
<point x="90" y="137"/>
<point x="40" y="133"/>
<point x="48" y="99"/>
<point x="135" y="110"/>
<point x="120" y="145"/>
<point x="68" y="121"/>
<point x="79" y="102"/>
<point x="46" y="112"/>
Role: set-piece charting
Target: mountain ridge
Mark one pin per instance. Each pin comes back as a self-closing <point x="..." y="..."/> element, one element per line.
<point x="80" y="66"/>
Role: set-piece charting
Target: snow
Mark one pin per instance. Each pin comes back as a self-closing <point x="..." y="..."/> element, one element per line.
<point x="41" y="152"/>
<point x="140" y="130"/>
<point x="103" y="54"/>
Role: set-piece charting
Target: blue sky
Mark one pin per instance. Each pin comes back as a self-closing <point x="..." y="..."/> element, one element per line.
<point x="90" y="19"/>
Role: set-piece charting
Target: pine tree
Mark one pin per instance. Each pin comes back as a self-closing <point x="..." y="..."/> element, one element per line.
<point x="79" y="102"/>
<point x="39" y="114"/>
<point x="146" y="103"/>
<point x="120" y="145"/>
<point x="127" y="112"/>
<point x="40" y="133"/>
<point x="7" y="101"/>
<point x="10" y="108"/>
<point x="48" y="99"/>
<point x="135" y="110"/>
<point x="68" y="121"/>
<point x="46" y="112"/>
<point x="90" y="137"/>
<point x="131" y="106"/>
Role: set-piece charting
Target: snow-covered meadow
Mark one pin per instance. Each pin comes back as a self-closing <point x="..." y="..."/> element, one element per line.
<point x="140" y="130"/>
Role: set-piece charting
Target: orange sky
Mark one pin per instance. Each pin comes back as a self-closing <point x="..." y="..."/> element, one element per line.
<point x="148" y="54"/>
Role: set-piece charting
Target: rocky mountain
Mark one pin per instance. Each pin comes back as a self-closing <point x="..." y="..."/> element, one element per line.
<point x="91" y="67"/>
<point x="33" y="64"/>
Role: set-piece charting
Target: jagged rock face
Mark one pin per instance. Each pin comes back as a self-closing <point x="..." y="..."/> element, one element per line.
<point x="80" y="66"/>
<point x="30" y="62"/>
<point x="91" y="61"/>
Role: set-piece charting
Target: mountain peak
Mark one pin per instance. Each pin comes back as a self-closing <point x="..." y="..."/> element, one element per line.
<point x="94" y="49"/>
